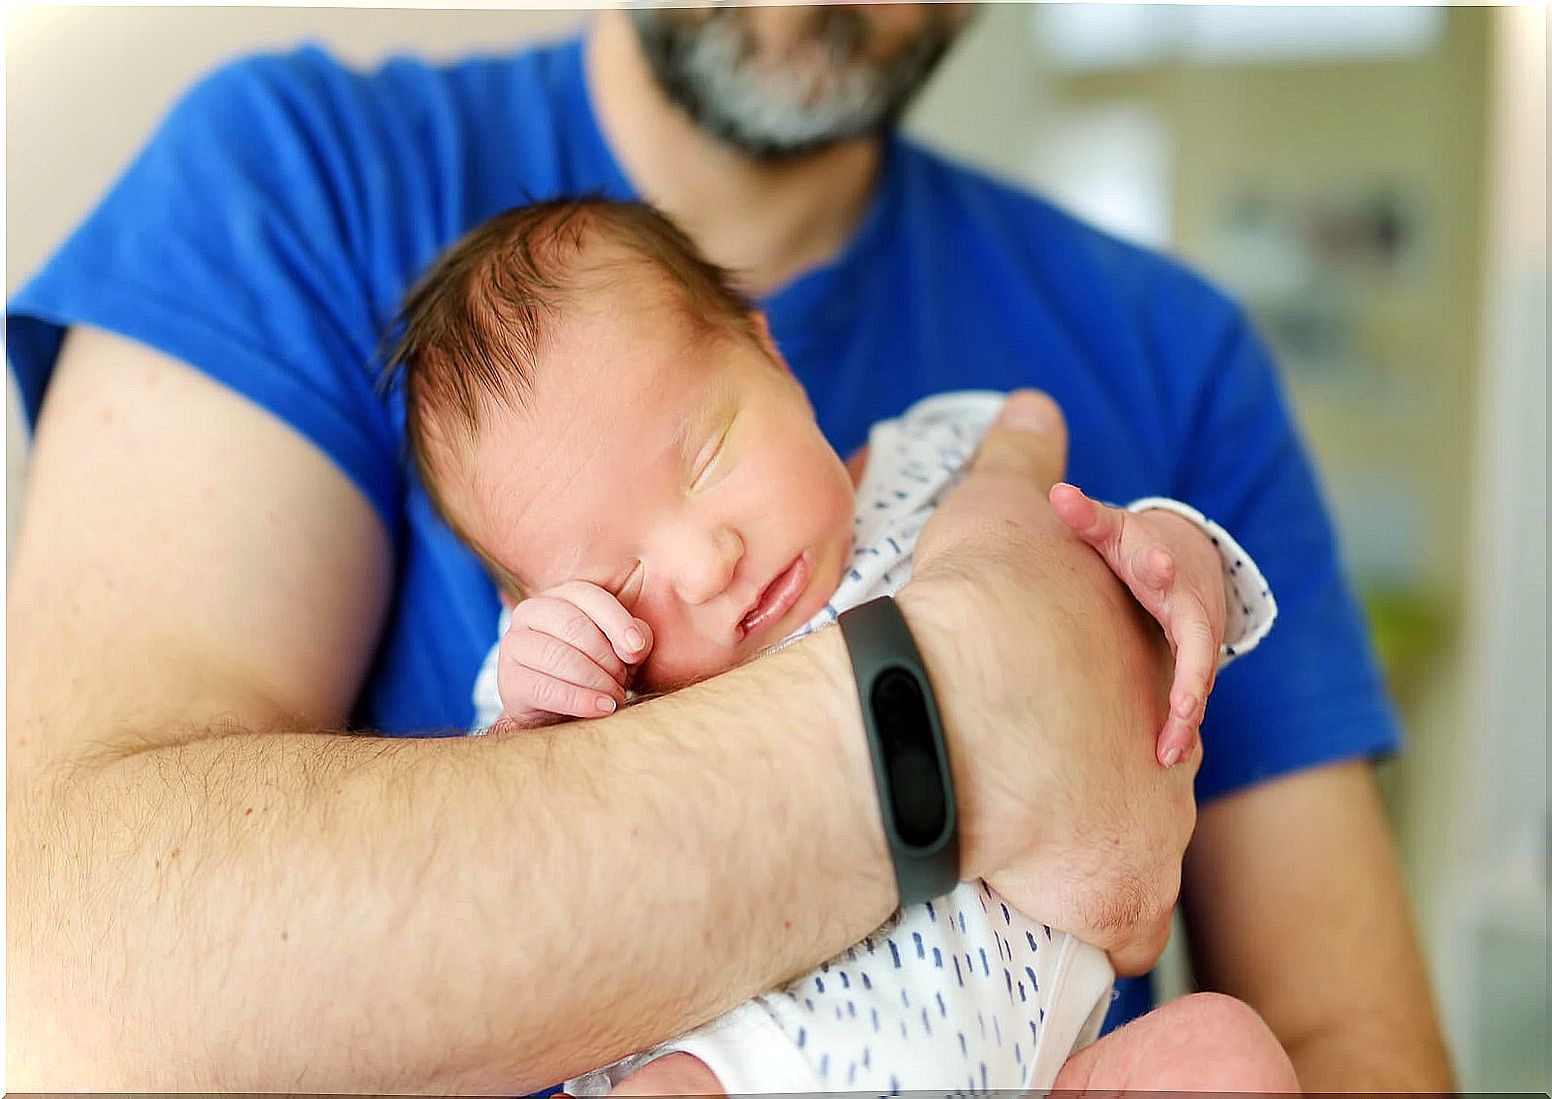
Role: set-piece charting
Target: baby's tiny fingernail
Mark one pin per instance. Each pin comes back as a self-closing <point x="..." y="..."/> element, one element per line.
<point x="1171" y="756"/>
<point x="606" y="705"/>
<point x="634" y="639"/>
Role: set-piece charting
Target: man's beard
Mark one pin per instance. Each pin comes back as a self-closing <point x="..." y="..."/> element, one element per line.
<point x="830" y="91"/>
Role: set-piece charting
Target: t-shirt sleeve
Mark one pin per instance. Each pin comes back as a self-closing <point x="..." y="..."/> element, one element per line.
<point x="236" y="241"/>
<point x="1311" y="693"/>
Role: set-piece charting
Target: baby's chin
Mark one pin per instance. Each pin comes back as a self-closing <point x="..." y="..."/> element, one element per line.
<point x="652" y="680"/>
<point x="656" y="679"/>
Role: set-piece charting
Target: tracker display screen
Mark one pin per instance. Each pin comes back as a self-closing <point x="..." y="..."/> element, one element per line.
<point x="915" y="782"/>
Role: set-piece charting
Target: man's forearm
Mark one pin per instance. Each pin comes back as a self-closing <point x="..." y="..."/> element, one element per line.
<point x="1359" y="1057"/>
<point x="538" y="903"/>
<point x="1305" y="862"/>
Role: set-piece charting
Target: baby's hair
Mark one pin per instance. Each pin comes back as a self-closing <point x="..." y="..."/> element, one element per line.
<point x="470" y="332"/>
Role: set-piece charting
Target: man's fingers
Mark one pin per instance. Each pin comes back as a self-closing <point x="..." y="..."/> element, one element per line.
<point x="1029" y="438"/>
<point x="1138" y="956"/>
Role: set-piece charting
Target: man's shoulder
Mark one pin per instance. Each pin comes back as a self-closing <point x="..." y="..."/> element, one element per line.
<point x="312" y="81"/>
<point x="376" y="167"/>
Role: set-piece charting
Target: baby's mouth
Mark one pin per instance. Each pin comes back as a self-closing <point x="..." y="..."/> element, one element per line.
<point x="779" y="595"/>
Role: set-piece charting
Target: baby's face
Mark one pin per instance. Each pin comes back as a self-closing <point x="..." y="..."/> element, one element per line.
<point x="686" y="476"/>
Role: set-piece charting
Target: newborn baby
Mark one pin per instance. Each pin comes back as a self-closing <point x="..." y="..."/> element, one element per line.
<point x="608" y="424"/>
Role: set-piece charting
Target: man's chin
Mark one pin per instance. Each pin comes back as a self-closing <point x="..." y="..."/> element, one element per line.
<point x="707" y="67"/>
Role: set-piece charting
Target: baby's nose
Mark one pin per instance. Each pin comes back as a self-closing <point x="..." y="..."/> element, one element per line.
<point x="711" y="570"/>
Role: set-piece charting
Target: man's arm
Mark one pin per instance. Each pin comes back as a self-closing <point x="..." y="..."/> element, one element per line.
<point x="207" y="893"/>
<point x="1294" y="903"/>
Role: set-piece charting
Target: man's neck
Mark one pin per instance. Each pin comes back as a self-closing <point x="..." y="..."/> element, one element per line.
<point x="767" y="222"/>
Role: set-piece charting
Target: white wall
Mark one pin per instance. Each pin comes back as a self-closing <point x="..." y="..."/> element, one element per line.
<point x="1489" y="912"/>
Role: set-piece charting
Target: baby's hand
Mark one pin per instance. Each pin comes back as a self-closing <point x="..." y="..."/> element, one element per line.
<point x="570" y="651"/>
<point x="1172" y="569"/>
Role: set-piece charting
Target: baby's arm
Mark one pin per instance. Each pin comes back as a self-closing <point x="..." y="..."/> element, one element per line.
<point x="569" y="651"/>
<point x="1196" y="582"/>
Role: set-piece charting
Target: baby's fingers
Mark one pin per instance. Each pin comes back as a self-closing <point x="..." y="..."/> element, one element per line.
<point x="630" y="637"/>
<point x="555" y="614"/>
<point x="1145" y="567"/>
<point x="1098" y="525"/>
<point x="546" y="655"/>
<point x="1196" y="655"/>
<point x="524" y="689"/>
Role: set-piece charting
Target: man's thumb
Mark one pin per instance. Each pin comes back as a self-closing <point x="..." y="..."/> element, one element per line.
<point x="1029" y="438"/>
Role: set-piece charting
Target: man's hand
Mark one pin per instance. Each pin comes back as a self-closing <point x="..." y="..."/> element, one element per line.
<point x="1169" y="565"/>
<point x="1052" y="687"/>
<point x="569" y="651"/>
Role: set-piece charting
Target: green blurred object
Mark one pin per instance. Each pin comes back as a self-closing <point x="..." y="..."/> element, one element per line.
<point x="1409" y="628"/>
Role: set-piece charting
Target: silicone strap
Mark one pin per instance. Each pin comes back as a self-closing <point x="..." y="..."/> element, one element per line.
<point x="905" y="741"/>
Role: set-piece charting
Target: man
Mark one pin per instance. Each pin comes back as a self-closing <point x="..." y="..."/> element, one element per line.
<point x="222" y="558"/>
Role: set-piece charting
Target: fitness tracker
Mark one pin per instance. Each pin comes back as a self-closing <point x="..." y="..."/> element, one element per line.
<point x="905" y="740"/>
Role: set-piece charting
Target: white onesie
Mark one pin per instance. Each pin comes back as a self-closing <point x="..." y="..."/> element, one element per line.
<point x="963" y="993"/>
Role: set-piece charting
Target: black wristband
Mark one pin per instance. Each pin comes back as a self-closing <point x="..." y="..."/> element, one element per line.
<point x="905" y="741"/>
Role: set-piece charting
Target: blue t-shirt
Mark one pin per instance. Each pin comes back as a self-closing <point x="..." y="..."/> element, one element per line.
<point x="269" y="228"/>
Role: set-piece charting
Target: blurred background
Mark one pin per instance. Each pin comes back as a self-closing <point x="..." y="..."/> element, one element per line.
<point x="1369" y="182"/>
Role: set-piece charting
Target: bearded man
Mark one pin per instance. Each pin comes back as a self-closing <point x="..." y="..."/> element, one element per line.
<point x="224" y="565"/>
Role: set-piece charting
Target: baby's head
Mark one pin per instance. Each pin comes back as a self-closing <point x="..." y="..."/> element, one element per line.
<point x="588" y="399"/>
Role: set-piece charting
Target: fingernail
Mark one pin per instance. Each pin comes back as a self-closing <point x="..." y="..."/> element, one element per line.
<point x="1028" y="415"/>
<point x="634" y="639"/>
<point x="606" y="705"/>
<point x="1171" y="756"/>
